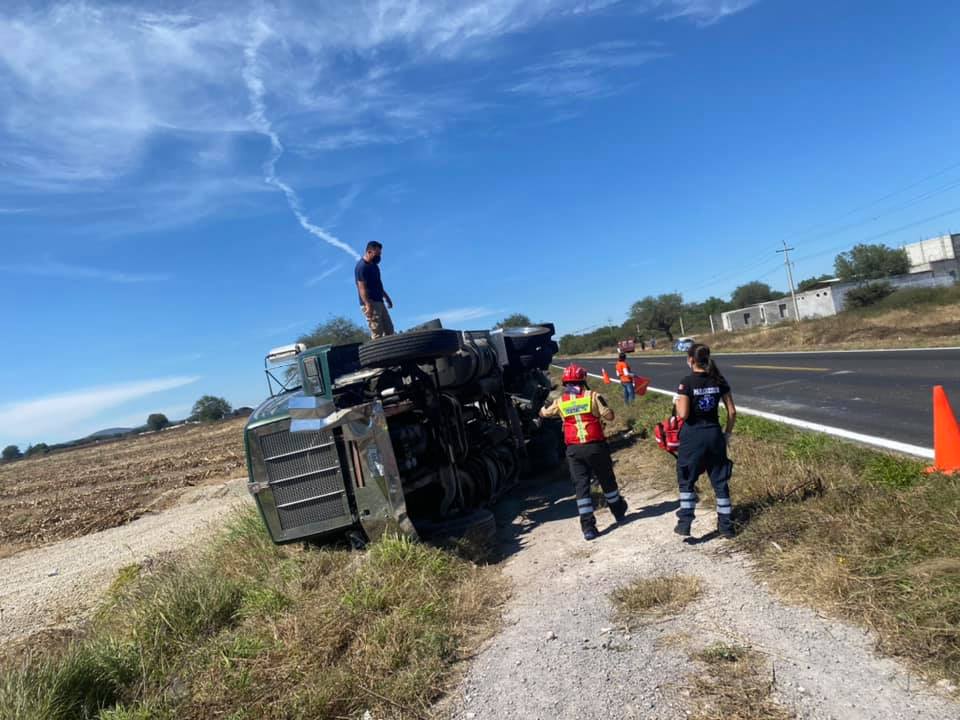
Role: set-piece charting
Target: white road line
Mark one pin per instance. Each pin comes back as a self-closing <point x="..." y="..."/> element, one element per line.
<point x="843" y="372"/>
<point x="895" y="445"/>
<point x="721" y="353"/>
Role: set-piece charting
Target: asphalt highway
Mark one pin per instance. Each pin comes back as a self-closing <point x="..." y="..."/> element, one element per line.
<point x="886" y="395"/>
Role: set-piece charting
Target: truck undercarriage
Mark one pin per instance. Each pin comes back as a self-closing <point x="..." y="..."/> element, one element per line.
<point x="417" y="433"/>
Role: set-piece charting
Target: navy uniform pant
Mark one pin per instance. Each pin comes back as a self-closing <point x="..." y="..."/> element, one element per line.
<point x="703" y="449"/>
<point x="587" y="462"/>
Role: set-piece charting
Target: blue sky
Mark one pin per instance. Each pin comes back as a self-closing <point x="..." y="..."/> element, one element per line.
<point x="185" y="185"/>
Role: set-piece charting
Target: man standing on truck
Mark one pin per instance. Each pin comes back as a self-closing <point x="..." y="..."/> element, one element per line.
<point x="583" y="412"/>
<point x="374" y="300"/>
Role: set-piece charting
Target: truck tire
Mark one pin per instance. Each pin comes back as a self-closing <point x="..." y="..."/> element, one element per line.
<point x="409" y="347"/>
<point x="475" y="526"/>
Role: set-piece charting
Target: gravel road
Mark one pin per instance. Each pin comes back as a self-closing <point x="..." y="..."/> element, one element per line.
<point x="56" y="586"/>
<point x="561" y="655"/>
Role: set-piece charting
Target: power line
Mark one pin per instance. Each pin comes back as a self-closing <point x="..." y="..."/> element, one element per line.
<point x="879" y="200"/>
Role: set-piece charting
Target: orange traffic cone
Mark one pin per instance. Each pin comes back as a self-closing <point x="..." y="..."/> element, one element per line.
<point x="606" y="378"/>
<point x="946" y="434"/>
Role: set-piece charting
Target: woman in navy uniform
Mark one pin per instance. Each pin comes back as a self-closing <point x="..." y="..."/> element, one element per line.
<point x="703" y="444"/>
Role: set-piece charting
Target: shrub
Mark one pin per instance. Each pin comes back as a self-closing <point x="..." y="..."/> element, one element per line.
<point x="868" y="294"/>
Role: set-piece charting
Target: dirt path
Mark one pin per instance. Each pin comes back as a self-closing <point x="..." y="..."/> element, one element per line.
<point x="561" y="655"/>
<point x="56" y="585"/>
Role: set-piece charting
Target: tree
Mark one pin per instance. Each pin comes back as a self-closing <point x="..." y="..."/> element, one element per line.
<point x="38" y="449"/>
<point x="658" y="313"/>
<point x="11" y="452"/>
<point x="335" y="331"/>
<point x="515" y="320"/>
<point x="209" y="408"/>
<point x="751" y="294"/>
<point x="811" y="281"/>
<point x="871" y="262"/>
<point x="158" y="421"/>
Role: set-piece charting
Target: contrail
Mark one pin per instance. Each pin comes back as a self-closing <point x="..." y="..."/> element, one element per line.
<point x="258" y="117"/>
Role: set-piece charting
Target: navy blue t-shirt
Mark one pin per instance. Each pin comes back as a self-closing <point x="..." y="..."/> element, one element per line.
<point x="705" y="395"/>
<point x="369" y="273"/>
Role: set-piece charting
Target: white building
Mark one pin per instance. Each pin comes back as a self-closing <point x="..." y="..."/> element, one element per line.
<point x="939" y="255"/>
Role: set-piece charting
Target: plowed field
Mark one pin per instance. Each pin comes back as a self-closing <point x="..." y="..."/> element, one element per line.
<point x="72" y="493"/>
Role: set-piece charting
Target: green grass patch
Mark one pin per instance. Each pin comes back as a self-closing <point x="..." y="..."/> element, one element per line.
<point x="246" y="629"/>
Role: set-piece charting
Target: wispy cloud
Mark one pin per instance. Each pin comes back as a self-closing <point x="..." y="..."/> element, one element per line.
<point x="253" y="77"/>
<point x="316" y="280"/>
<point x="599" y="70"/>
<point x="87" y="89"/>
<point x="50" y="415"/>
<point x="14" y="211"/>
<point x="459" y="315"/>
<point x="344" y="203"/>
<point x="81" y="272"/>
<point x="702" y="12"/>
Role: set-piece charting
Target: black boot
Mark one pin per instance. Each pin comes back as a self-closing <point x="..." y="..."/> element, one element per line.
<point x="619" y="509"/>
<point x="683" y="527"/>
<point x="588" y="524"/>
<point x="725" y="527"/>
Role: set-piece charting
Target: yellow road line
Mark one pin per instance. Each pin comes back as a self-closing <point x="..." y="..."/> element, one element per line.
<point x="782" y="367"/>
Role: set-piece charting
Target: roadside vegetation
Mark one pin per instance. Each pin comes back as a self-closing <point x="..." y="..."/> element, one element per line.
<point x="736" y="685"/>
<point x="248" y="630"/>
<point x="877" y="314"/>
<point x="647" y="597"/>
<point x="862" y="534"/>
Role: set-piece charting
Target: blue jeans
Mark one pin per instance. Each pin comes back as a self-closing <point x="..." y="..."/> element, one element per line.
<point x="629" y="392"/>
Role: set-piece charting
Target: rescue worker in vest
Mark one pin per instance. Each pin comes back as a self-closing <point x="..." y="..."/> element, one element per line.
<point x="626" y="379"/>
<point x="703" y="445"/>
<point x="583" y="412"/>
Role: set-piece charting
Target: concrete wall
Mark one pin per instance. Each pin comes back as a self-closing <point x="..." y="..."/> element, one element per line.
<point x="818" y="302"/>
<point x="921" y="254"/>
<point x="826" y="300"/>
<point x="768" y="313"/>
<point x="742" y="318"/>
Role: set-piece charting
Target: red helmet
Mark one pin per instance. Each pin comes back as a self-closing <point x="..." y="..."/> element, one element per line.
<point x="574" y="374"/>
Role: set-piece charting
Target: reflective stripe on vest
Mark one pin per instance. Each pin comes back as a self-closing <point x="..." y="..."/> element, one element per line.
<point x="580" y="425"/>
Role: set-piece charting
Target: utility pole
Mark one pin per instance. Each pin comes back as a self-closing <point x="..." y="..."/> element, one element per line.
<point x="682" y="331"/>
<point x="793" y="293"/>
<point x="713" y="330"/>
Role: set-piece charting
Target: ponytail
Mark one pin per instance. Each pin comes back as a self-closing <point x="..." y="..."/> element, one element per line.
<point x="701" y="358"/>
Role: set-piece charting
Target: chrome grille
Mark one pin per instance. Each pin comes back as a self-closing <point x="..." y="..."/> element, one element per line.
<point x="303" y="470"/>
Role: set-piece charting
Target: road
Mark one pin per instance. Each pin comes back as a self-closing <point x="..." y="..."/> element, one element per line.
<point x="881" y="394"/>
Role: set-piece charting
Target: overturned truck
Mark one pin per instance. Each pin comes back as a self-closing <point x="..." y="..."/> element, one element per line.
<point x="418" y="433"/>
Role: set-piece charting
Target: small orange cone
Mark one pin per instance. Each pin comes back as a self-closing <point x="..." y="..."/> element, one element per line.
<point x="946" y="434"/>
<point x="606" y="378"/>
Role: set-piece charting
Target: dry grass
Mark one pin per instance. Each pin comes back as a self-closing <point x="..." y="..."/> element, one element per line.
<point x="863" y="534"/>
<point x="74" y="492"/>
<point x="736" y="686"/>
<point x="245" y="629"/>
<point x="923" y="323"/>
<point x="664" y="595"/>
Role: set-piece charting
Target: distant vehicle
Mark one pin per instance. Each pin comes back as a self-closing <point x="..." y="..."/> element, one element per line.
<point x="627" y="346"/>
<point x="683" y="344"/>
